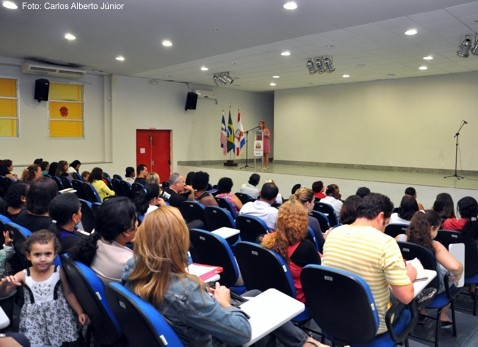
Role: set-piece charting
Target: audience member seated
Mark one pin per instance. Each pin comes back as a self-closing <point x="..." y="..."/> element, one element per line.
<point x="129" y="175"/>
<point x="363" y="249"/>
<point x="468" y="210"/>
<point x="52" y="169"/>
<point x="189" y="178"/>
<point x="444" y="206"/>
<point x="319" y="189"/>
<point x="250" y="188"/>
<point x="45" y="166"/>
<point x="96" y="180"/>
<point x="74" y="169"/>
<point x="62" y="170"/>
<point x="6" y="169"/>
<point x="333" y="198"/>
<point x="200" y="183"/>
<point x="31" y="173"/>
<point x="105" y="250"/>
<point x="412" y="192"/>
<point x="38" y="161"/>
<point x="262" y="207"/>
<point x="290" y="241"/>
<point x="362" y="191"/>
<point x="348" y="212"/>
<point x="224" y="188"/>
<point x="422" y="230"/>
<point x="305" y="196"/>
<point x="85" y="175"/>
<point x="148" y="199"/>
<point x="279" y="199"/>
<point x="200" y="315"/>
<point x="39" y="195"/>
<point x="406" y="210"/>
<point x="65" y="210"/>
<point x="178" y="191"/>
<point x="153" y="178"/>
<point x="142" y="172"/>
<point x="15" y="199"/>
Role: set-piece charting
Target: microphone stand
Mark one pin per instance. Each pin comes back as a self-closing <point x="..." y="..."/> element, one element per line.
<point x="457" y="135"/>
<point x="247" y="145"/>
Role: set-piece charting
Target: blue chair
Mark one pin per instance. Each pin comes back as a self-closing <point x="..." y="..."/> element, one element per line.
<point x="90" y="292"/>
<point x="58" y="182"/>
<point x="396" y="229"/>
<point x="126" y="189"/>
<point x="192" y="210"/>
<point x="142" y="324"/>
<point x="78" y="186"/>
<point x="90" y="193"/>
<point x="245" y="198"/>
<point x="262" y="268"/>
<point x="251" y="227"/>
<point x="343" y="306"/>
<point x="217" y="217"/>
<point x="311" y="236"/>
<point x="116" y="184"/>
<point x="322" y="218"/>
<point x="328" y="210"/>
<point x="65" y="182"/>
<point x="211" y="249"/>
<point x="19" y="235"/>
<point x="226" y="204"/>
<point x="88" y="218"/>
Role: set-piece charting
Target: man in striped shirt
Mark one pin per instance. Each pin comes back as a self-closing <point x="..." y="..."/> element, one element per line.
<point x="363" y="249"/>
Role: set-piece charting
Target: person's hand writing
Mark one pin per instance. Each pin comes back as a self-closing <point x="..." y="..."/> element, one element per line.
<point x="411" y="272"/>
<point x="222" y="295"/>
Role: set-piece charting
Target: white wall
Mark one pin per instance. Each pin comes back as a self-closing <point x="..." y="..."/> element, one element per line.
<point x="114" y="107"/>
<point x="404" y="122"/>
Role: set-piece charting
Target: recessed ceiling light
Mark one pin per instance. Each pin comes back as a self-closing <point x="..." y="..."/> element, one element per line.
<point x="70" y="37"/>
<point x="204" y="68"/>
<point x="285" y="53"/>
<point x="167" y="43"/>
<point x="120" y="58"/>
<point x="428" y="57"/>
<point x="276" y="76"/>
<point x="345" y="76"/>
<point x="290" y="5"/>
<point x="411" y="32"/>
<point x="423" y="67"/>
<point x="10" y="5"/>
<point x="272" y="84"/>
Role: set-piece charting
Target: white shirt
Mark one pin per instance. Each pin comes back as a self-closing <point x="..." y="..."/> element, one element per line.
<point x="336" y="204"/>
<point x="395" y="219"/>
<point x="262" y="210"/>
<point x="250" y="190"/>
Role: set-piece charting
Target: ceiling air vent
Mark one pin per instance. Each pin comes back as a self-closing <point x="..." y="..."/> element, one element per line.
<point x="51" y="70"/>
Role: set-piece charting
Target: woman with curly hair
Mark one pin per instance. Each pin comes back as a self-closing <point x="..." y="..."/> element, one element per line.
<point x="290" y="241"/>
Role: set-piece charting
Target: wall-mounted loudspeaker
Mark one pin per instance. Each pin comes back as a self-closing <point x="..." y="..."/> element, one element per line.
<point x="42" y="86"/>
<point x="191" y="101"/>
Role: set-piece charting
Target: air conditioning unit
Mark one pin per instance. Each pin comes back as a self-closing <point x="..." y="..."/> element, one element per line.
<point x="51" y="70"/>
<point x="205" y="94"/>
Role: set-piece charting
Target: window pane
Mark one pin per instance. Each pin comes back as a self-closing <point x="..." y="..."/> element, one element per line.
<point x="8" y="87"/>
<point x="70" y="92"/>
<point x="8" y="107"/>
<point x="61" y="128"/>
<point x="8" y="127"/>
<point x="66" y="110"/>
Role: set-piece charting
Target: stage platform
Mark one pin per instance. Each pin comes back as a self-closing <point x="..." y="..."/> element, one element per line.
<point x="389" y="181"/>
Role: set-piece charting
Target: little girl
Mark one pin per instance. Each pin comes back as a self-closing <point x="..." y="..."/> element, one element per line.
<point x="45" y="317"/>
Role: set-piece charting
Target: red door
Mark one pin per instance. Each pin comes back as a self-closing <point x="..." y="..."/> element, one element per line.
<point x="153" y="148"/>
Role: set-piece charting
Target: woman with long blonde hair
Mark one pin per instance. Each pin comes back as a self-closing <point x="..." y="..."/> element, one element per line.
<point x="200" y="316"/>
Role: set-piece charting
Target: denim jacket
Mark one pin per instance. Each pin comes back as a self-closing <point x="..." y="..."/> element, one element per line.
<point x="199" y="320"/>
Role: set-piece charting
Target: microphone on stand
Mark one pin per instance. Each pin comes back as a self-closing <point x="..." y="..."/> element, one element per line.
<point x="464" y="121"/>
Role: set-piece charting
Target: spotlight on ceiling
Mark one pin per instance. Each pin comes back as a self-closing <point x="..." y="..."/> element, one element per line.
<point x="320" y="64"/>
<point x="222" y="78"/>
<point x="463" y="51"/>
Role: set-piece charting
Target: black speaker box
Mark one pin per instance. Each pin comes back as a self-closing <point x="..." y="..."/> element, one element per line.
<point x="191" y="101"/>
<point x="42" y="86"/>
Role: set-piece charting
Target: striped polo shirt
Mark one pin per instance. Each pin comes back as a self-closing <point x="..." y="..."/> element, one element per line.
<point x="370" y="254"/>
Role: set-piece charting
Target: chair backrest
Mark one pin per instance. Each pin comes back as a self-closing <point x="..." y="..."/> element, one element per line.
<point x="136" y="188"/>
<point x="217" y="217"/>
<point x="447" y="237"/>
<point x="118" y="177"/>
<point x="262" y="268"/>
<point x="65" y="182"/>
<point x="142" y="324"/>
<point x="245" y="198"/>
<point x="192" y="210"/>
<point x="90" y="193"/>
<point x="328" y="210"/>
<point x="427" y="258"/>
<point x="20" y="234"/>
<point x="58" y="182"/>
<point x="88" y="219"/>
<point x="208" y="248"/>
<point x="341" y="304"/>
<point x="250" y="227"/>
<point x="224" y="203"/>
<point x="116" y="184"/>
<point x="90" y="292"/>
<point x="311" y="236"/>
<point x="322" y="218"/>
<point x="78" y="186"/>
<point x="395" y="229"/>
<point x="127" y="189"/>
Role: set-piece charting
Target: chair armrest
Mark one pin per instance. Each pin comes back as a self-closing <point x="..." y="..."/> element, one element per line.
<point x="392" y="315"/>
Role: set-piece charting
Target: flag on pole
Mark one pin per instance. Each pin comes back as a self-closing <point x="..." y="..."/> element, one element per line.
<point x="223" y="136"/>
<point x="240" y="139"/>
<point x="230" y="135"/>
